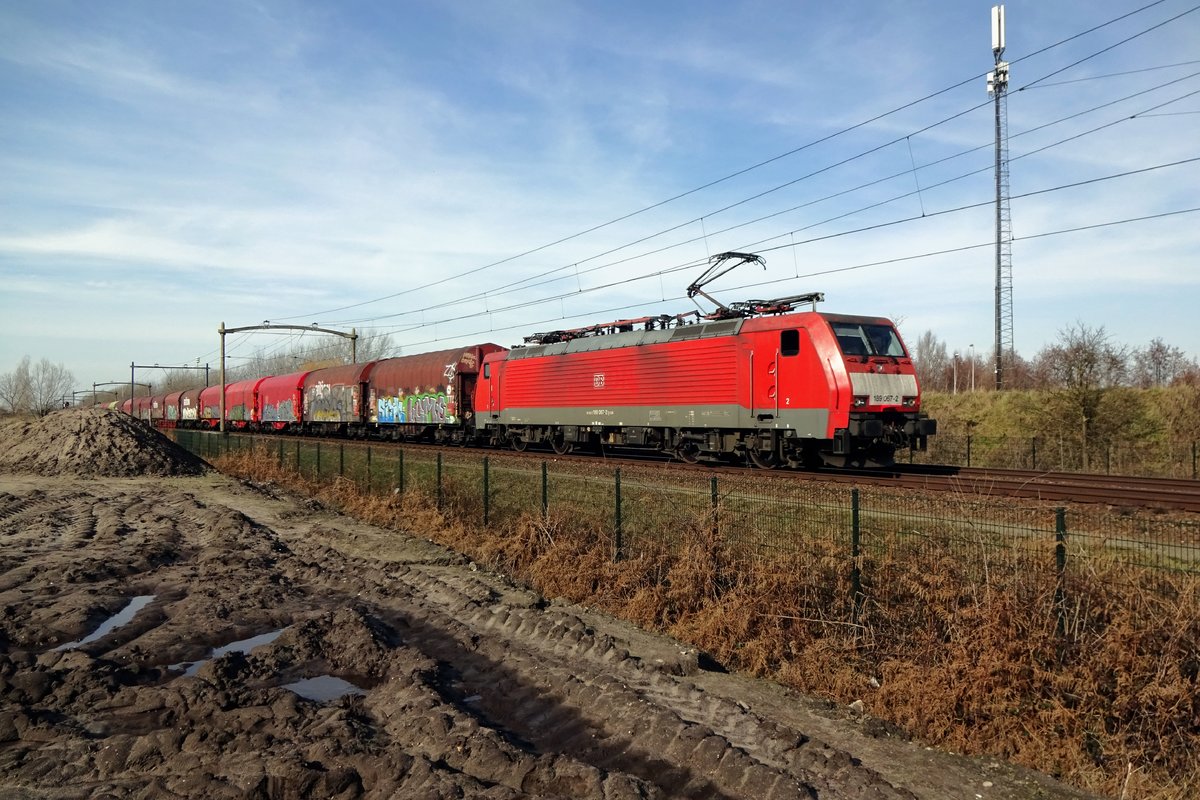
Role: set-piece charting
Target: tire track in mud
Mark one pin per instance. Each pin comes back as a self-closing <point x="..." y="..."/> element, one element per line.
<point x="471" y="686"/>
<point x="172" y="736"/>
<point x="548" y="682"/>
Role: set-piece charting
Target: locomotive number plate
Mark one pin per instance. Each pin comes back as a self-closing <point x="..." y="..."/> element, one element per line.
<point x="885" y="400"/>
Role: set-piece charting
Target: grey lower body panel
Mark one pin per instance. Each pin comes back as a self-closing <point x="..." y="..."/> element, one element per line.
<point x="804" y="422"/>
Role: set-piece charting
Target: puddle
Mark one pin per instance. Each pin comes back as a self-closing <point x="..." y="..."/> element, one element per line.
<point x="122" y="617"/>
<point x="323" y="688"/>
<point x="242" y="646"/>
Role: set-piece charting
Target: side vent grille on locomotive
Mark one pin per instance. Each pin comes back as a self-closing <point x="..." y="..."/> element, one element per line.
<point x="690" y="332"/>
<point x="725" y="328"/>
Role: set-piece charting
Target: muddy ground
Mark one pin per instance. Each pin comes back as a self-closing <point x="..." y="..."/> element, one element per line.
<point x="461" y="683"/>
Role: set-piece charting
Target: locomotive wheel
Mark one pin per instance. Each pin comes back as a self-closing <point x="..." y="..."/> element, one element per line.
<point x="688" y="452"/>
<point x="519" y="444"/>
<point x="560" y="445"/>
<point x="763" y="459"/>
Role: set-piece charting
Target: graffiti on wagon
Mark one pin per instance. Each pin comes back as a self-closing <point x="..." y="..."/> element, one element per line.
<point x="327" y="403"/>
<point x="434" y="405"/>
<point x="431" y="407"/>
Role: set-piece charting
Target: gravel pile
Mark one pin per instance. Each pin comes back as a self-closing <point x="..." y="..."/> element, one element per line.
<point x="91" y="442"/>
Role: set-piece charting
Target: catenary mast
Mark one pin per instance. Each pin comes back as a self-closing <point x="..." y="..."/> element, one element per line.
<point x="997" y="83"/>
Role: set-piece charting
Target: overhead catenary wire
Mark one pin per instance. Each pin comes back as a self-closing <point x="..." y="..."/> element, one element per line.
<point x="538" y="279"/>
<point x="879" y="226"/>
<point x="1120" y="74"/>
<point x="526" y="324"/>
<point x="544" y="279"/>
<point x="1112" y="46"/>
<point x="773" y="159"/>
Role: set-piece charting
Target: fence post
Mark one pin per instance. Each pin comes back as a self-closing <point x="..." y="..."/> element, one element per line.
<point x="968" y="449"/>
<point x="716" y="528"/>
<point x="618" y="544"/>
<point x="298" y="458"/>
<point x="370" y="483"/>
<point x="487" y="494"/>
<point x="341" y="459"/>
<point x="855" y="552"/>
<point x="1033" y="452"/>
<point x="400" y="472"/>
<point x="280" y="443"/>
<point x="1193" y="461"/>
<point x="318" y="475"/>
<point x="545" y="493"/>
<point x="1060" y="565"/>
<point x="439" y="482"/>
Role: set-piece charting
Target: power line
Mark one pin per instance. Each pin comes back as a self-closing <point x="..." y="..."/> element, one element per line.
<point x="529" y="282"/>
<point x="892" y="223"/>
<point x="530" y="324"/>
<point x="742" y="171"/>
<point x="533" y="281"/>
<point x="1126" y="40"/>
<point x="1115" y="74"/>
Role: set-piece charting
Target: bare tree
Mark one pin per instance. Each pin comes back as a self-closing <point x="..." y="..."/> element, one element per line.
<point x="49" y="384"/>
<point x="1018" y="372"/>
<point x="931" y="361"/>
<point x="35" y="388"/>
<point x="1159" y="364"/>
<point x="14" y="387"/>
<point x="1082" y="367"/>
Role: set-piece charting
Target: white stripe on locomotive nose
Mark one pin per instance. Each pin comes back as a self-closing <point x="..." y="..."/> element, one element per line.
<point x="872" y="383"/>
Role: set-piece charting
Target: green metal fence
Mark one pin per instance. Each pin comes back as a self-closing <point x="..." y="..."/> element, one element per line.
<point x="865" y="537"/>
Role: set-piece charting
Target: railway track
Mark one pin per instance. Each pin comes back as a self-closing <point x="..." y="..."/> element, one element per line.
<point x="1157" y="494"/>
<point x="1162" y="494"/>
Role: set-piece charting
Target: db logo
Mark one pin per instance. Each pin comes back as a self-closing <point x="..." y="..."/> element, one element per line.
<point x="598" y="380"/>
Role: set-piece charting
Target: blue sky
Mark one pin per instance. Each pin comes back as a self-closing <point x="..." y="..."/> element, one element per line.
<point x="429" y="169"/>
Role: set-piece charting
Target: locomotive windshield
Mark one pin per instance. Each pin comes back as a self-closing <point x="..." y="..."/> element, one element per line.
<point x="864" y="339"/>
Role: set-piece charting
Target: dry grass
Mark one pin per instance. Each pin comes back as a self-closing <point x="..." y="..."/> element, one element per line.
<point x="1110" y="703"/>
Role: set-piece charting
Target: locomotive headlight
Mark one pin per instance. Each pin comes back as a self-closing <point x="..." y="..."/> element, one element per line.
<point x="910" y="401"/>
<point x="860" y="401"/>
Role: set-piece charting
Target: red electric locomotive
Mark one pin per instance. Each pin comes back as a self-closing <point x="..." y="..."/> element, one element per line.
<point x="756" y="379"/>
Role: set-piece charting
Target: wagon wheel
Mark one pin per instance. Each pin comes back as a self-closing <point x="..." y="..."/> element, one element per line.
<point x="763" y="459"/>
<point x="560" y="445"/>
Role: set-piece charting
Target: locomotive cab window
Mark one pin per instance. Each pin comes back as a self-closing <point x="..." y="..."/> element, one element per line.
<point x="884" y="341"/>
<point x="789" y="342"/>
<point x="857" y="339"/>
<point x="487" y="371"/>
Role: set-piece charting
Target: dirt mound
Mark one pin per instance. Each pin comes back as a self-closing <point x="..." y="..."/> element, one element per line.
<point x="92" y="442"/>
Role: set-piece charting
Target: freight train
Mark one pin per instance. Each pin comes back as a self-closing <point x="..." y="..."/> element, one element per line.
<point x="757" y="381"/>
